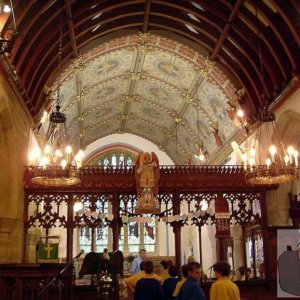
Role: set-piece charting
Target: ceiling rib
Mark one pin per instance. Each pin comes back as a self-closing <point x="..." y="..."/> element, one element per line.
<point x="188" y="100"/>
<point x="146" y="16"/>
<point x="224" y="33"/>
<point x="287" y="46"/>
<point x="71" y="27"/>
<point x="135" y="75"/>
<point x="225" y="37"/>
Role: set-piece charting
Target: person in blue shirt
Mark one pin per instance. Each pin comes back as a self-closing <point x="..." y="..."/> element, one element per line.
<point x="148" y="288"/>
<point x="170" y="283"/>
<point x="191" y="289"/>
<point x="135" y="267"/>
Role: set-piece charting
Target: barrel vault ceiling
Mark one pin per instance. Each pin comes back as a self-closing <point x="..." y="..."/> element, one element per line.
<point x="177" y="86"/>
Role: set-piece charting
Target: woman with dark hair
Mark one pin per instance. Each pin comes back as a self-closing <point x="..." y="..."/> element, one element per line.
<point x="169" y="284"/>
<point x="223" y="288"/>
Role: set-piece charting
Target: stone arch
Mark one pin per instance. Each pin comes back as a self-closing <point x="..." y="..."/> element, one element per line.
<point x="288" y="126"/>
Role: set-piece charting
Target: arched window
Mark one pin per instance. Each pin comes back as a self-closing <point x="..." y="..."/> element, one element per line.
<point x="133" y="236"/>
<point x="115" y="157"/>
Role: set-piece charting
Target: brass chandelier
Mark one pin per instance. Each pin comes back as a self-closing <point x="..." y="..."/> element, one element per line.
<point x="268" y="160"/>
<point x="281" y="162"/>
<point x="54" y="165"/>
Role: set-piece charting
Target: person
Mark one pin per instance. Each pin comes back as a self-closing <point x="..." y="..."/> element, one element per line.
<point x="135" y="267"/>
<point x="223" y="288"/>
<point x="148" y="288"/>
<point x="105" y="261"/>
<point x="191" y="289"/>
<point x="132" y="280"/>
<point x="165" y="271"/>
<point x="170" y="283"/>
<point x="184" y="272"/>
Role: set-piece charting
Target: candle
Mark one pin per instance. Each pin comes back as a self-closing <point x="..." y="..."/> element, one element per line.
<point x="296" y="157"/>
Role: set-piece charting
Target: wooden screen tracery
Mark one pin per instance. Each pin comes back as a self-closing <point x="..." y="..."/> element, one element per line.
<point x="47" y="211"/>
<point x="95" y="208"/>
<point x="244" y="207"/>
<point x="109" y="200"/>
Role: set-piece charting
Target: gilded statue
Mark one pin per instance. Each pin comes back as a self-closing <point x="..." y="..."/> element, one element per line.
<point x="147" y="177"/>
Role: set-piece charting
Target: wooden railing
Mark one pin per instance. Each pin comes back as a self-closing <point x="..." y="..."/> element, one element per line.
<point x="27" y="281"/>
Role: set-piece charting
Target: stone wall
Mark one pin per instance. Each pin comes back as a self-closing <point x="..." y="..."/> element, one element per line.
<point x="14" y="133"/>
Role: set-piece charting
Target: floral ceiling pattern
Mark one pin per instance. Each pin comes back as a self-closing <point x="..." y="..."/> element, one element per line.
<point x="153" y="87"/>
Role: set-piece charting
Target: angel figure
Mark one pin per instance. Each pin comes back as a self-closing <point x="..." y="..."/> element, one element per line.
<point x="147" y="176"/>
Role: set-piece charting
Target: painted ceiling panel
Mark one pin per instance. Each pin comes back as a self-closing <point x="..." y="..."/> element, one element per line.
<point x="111" y="65"/>
<point x="169" y="67"/>
<point x="160" y="92"/>
<point x="154" y="113"/>
<point x="148" y="91"/>
<point x="215" y="103"/>
<point x="104" y="128"/>
<point x="152" y="132"/>
<point x="105" y="93"/>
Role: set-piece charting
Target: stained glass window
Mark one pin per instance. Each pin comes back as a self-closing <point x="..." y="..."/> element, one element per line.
<point x="150" y="236"/>
<point x="114" y="157"/>
<point x="101" y="238"/>
<point x="85" y="239"/>
<point x="133" y="236"/>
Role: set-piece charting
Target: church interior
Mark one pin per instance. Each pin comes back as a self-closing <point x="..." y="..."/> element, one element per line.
<point x="170" y="126"/>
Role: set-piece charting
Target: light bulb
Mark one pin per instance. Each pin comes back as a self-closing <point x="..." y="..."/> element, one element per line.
<point x="63" y="163"/>
<point x="58" y="153"/>
<point x="286" y="159"/>
<point x="201" y="157"/>
<point x="240" y="113"/>
<point x="268" y="162"/>
<point x="290" y="150"/>
<point x="296" y="154"/>
<point x="195" y="155"/>
<point x="68" y="149"/>
<point x="47" y="149"/>
<point x="6" y="8"/>
<point x="36" y="152"/>
<point x="44" y="161"/>
<point x="273" y="149"/>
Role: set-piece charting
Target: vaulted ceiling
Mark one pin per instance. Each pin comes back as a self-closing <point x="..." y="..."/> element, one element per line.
<point x="152" y="86"/>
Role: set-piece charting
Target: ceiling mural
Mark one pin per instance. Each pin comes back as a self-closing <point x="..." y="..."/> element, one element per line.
<point x="153" y="87"/>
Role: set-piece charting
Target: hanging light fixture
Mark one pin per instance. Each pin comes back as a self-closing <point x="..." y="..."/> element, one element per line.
<point x="9" y="37"/>
<point x="280" y="163"/>
<point x="268" y="161"/>
<point x="53" y="166"/>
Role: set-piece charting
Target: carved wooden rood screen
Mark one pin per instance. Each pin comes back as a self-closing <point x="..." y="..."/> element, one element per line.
<point x="182" y="191"/>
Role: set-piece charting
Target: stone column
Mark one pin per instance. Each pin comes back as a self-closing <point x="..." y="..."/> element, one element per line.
<point x="278" y="206"/>
<point x="211" y="229"/>
<point x="238" y="246"/>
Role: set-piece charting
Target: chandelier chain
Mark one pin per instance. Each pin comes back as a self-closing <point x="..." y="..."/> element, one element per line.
<point x="59" y="63"/>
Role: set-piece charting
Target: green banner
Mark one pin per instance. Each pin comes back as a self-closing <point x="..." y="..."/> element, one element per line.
<point x="48" y="251"/>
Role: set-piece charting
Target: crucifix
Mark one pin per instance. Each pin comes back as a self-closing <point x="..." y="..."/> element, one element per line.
<point x="48" y="249"/>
